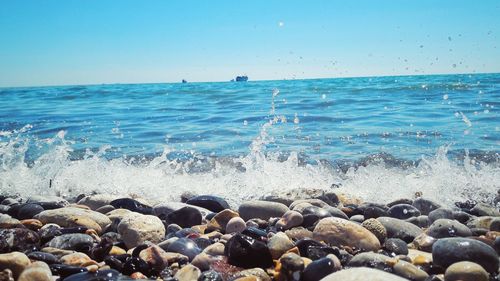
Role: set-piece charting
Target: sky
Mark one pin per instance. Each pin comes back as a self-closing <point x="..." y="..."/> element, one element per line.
<point x="72" y="42"/>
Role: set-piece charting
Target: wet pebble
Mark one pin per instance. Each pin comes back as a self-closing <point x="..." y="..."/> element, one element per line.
<point x="403" y="211"/>
<point x="244" y="251"/>
<point x="261" y="209"/>
<point x="76" y="242"/>
<point x="185" y="217"/>
<point x="396" y="246"/>
<point x="184" y="246"/>
<point x="465" y="271"/>
<point x="42" y="256"/>
<point x="131" y="205"/>
<point x="442" y="228"/>
<point x="209" y="202"/>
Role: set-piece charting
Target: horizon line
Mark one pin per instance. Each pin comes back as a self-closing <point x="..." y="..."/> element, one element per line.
<point x="250" y="81"/>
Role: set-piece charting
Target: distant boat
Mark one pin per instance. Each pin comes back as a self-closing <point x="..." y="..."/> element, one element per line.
<point x="184" y="81"/>
<point x="241" y="78"/>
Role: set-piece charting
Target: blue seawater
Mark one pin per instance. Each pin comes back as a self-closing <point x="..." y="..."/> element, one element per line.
<point x="380" y="138"/>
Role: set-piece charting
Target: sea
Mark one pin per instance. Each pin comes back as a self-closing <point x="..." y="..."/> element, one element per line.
<point x="377" y="138"/>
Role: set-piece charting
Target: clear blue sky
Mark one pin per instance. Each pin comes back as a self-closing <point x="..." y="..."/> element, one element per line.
<point x="56" y="42"/>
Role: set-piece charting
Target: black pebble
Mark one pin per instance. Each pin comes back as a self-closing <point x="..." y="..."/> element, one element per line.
<point x="209" y="202"/>
<point x="132" y="205"/>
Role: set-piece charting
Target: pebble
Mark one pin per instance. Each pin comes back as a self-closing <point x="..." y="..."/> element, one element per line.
<point x="403" y="211"/>
<point x="370" y="259"/>
<point x="163" y="209"/>
<point x="7" y="221"/>
<point x="440" y="213"/>
<point x="341" y="232"/>
<point x="420" y="221"/>
<point x="28" y="211"/>
<point x="156" y="257"/>
<point x="15" y="261"/>
<point x="41" y="256"/>
<point x="38" y="271"/>
<point x="209" y="202"/>
<point x="465" y="271"/>
<point x="292" y="266"/>
<point x="425" y="206"/>
<point x="400" y="229"/>
<point x="409" y="271"/>
<point x="375" y="227"/>
<point x="75" y="241"/>
<point x="48" y="202"/>
<point x="447" y="251"/>
<point x="188" y="273"/>
<point x="77" y="259"/>
<point x="184" y="246"/>
<point x="287" y="197"/>
<point x="18" y="239"/>
<point x="101" y="275"/>
<point x="396" y="246"/>
<point x="71" y="217"/>
<point x="210" y="275"/>
<point x="261" y="209"/>
<point x="185" y="217"/>
<point x="131" y="205"/>
<point x="244" y="251"/>
<point x="97" y="201"/>
<point x="362" y="273"/>
<point x="442" y="228"/>
<point x="135" y="229"/>
<point x="279" y="244"/>
<point x="318" y="269"/>
<point x="221" y="219"/>
<point x="482" y="209"/>
<point x="289" y="220"/>
<point x="234" y="225"/>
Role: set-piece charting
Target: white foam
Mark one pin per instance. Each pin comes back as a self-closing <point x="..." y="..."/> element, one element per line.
<point x="159" y="179"/>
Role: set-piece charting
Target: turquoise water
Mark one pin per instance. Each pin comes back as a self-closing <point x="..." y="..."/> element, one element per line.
<point x="238" y="138"/>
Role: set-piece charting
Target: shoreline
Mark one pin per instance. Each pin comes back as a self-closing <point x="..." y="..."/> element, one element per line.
<point x="301" y="234"/>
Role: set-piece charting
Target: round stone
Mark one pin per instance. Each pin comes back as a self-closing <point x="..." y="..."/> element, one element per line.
<point x="75" y="241"/>
<point x="28" y="211"/>
<point x="289" y="220"/>
<point x="425" y="206"/>
<point x="279" y="244"/>
<point x="400" y="229"/>
<point x="442" y="228"/>
<point x="244" y="251"/>
<point x="440" y="213"/>
<point x="185" y="217"/>
<point x="209" y="202"/>
<point x="403" y="211"/>
<point x="465" y="271"/>
<point x="14" y="261"/>
<point x="235" y="224"/>
<point x="319" y="269"/>
<point x="135" y="229"/>
<point x="261" y="209"/>
<point x="71" y="217"/>
<point x="396" y="246"/>
<point x="375" y="227"/>
<point x="447" y="251"/>
<point x="341" y="232"/>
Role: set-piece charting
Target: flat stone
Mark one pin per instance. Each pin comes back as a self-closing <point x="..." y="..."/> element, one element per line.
<point x="185" y="217"/>
<point x="14" y="261"/>
<point x="135" y="229"/>
<point x="77" y="259"/>
<point x="409" y="271"/>
<point x="442" y="228"/>
<point x="7" y="221"/>
<point x="288" y="196"/>
<point x="28" y="211"/>
<point x="75" y="241"/>
<point x="447" y="251"/>
<point x="362" y="273"/>
<point x="341" y="232"/>
<point x="45" y="257"/>
<point x="465" y="271"/>
<point x="48" y="202"/>
<point x="216" y="249"/>
<point x="400" y="229"/>
<point x="370" y="259"/>
<point x="261" y="209"/>
<point x="209" y="202"/>
<point x="481" y="209"/>
<point x="71" y="217"/>
<point x="163" y="209"/>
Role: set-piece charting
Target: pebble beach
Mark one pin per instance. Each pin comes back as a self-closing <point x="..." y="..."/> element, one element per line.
<point x="304" y="234"/>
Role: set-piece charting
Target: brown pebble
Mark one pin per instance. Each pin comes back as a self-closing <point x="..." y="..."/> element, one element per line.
<point x="32" y="224"/>
<point x="138" y="275"/>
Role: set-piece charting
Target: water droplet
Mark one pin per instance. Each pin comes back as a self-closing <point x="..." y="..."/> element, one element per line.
<point x="296" y="119"/>
<point x="445" y="97"/>
<point x="323" y="96"/>
<point x="281" y="24"/>
<point x="245" y="123"/>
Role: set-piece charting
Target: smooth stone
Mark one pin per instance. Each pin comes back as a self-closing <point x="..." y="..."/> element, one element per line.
<point x="105" y="209"/>
<point x="261" y="209"/>
<point x="97" y="201"/>
<point x="481" y="209"/>
<point x="216" y="249"/>
<point x="403" y="211"/>
<point x="163" y="209"/>
<point x="400" y="201"/>
<point x="362" y="273"/>
<point x="287" y="197"/>
<point x="235" y="224"/>
<point x="480" y="222"/>
<point x="289" y="220"/>
<point x="38" y="271"/>
<point x="56" y="252"/>
<point x="210" y="275"/>
<point x="375" y="227"/>
<point x="316" y="211"/>
<point x="49" y="231"/>
<point x="424" y="242"/>
<point x="132" y="205"/>
<point x="188" y="272"/>
<point x="244" y="251"/>
<point x="357" y="218"/>
<point x="319" y="269"/>
<point x="209" y="202"/>
<point x="7" y="221"/>
<point x="75" y="241"/>
<point x="420" y="221"/>
<point x="71" y="217"/>
<point x="419" y="258"/>
<point x="442" y="228"/>
<point x="18" y="239"/>
<point x="292" y="266"/>
<point x="466" y="271"/>
<point x="279" y="244"/>
<point x="9" y="201"/>
<point x="28" y="211"/>
<point x="425" y="205"/>
<point x="440" y="213"/>
<point x="221" y="219"/>
<point x="447" y="251"/>
<point x="14" y="261"/>
<point x="373" y="210"/>
<point x="495" y="224"/>
<point x="184" y="246"/>
<point x="156" y="257"/>
<point x="100" y="275"/>
<point x="400" y="229"/>
<point x="341" y="232"/>
<point x="298" y="233"/>
<point x="409" y="271"/>
<point x="370" y="259"/>
<point x="396" y="246"/>
<point x="76" y="259"/>
<point x="462" y="217"/>
<point x="63" y="270"/>
<point x="32" y="224"/>
<point x="135" y="229"/>
<point x="185" y="217"/>
<point x="41" y="256"/>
